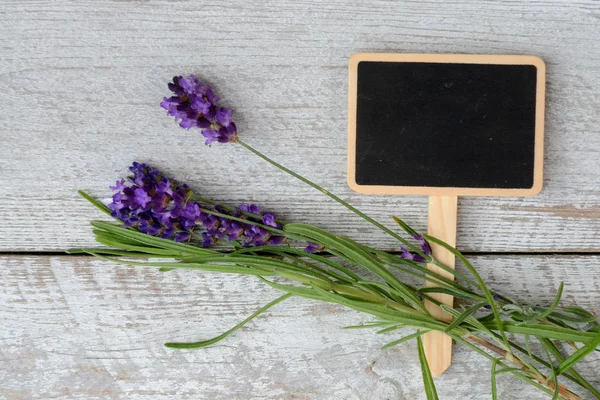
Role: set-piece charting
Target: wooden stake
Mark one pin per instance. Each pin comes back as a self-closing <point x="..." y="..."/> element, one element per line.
<point x="442" y="225"/>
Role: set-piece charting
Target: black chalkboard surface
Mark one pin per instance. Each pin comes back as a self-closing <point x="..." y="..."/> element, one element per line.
<point x="446" y="124"/>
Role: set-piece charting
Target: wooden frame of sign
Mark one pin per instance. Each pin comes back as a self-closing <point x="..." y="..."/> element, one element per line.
<point x="407" y="113"/>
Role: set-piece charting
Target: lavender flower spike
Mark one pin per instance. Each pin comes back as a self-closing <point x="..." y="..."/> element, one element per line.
<point x="408" y="255"/>
<point x="154" y="205"/>
<point x="423" y="243"/>
<point x="194" y="105"/>
<point x="158" y="206"/>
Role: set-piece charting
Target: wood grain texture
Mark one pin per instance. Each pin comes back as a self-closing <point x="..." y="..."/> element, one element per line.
<point x="80" y="86"/>
<point x="78" y="327"/>
<point x="442" y="225"/>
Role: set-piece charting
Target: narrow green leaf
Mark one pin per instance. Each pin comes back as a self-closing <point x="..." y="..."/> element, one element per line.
<point x="552" y="307"/>
<point x="576" y="377"/>
<point x="390" y="329"/>
<point x="370" y="325"/>
<point x="404" y="339"/>
<point x="205" y="343"/>
<point x="471" y="321"/>
<point x="494" y="385"/>
<point x="572" y="378"/>
<point x="576" y="314"/>
<point x="325" y="272"/>
<point x="452" y="292"/>
<point x="386" y="289"/>
<point x="405" y="226"/>
<point x="100" y="234"/>
<point x="507" y="370"/>
<point x="298" y="252"/>
<point x="545" y="331"/>
<point x="427" y="378"/>
<point x="149" y="251"/>
<point x="481" y="283"/>
<point x="491" y="358"/>
<point x="111" y="252"/>
<point x="100" y="206"/>
<point x="395" y="260"/>
<point x="464" y="315"/>
<point x="579" y="311"/>
<point x="281" y="267"/>
<point x="300" y="291"/>
<point x="143" y="238"/>
<point x="528" y="347"/>
<point x="356" y="253"/>
<point x="578" y="355"/>
<point x="408" y="317"/>
<point x="553" y="376"/>
<point x="223" y="268"/>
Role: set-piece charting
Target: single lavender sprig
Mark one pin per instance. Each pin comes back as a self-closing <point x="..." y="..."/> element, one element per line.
<point x="194" y="104"/>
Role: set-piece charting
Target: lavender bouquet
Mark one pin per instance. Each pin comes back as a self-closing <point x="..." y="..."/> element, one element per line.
<point x="162" y="223"/>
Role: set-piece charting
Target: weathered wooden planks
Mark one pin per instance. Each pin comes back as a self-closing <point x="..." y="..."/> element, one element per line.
<point x="78" y="327"/>
<point x="79" y="91"/>
<point x="80" y="87"/>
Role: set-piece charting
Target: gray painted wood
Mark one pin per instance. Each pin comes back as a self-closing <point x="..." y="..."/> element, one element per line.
<point x="79" y="91"/>
<point x="80" y="87"/>
<point x="78" y="327"/>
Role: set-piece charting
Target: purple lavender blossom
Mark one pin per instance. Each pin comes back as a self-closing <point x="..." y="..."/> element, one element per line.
<point x="159" y="206"/>
<point x="409" y="255"/>
<point x="151" y="203"/>
<point x="496" y="298"/>
<point x="119" y="185"/>
<point x="276" y="240"/>
<point x="312" y="247"/>
<point x="250" y="208"/>
<point x="269" y="219"/>
<point x="423" y="243"/>
<point x="249" y="235"/>
<point x="194" y="105"/>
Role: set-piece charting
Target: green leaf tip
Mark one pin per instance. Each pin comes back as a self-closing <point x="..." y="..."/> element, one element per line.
<point x="405" y="226"/>
<point x="95" y="202"/>
<point x="428" y="383"/>
<point x="209" y="342"/>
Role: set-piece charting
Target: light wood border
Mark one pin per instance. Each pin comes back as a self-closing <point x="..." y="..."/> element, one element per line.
<point x="458" y="59"/>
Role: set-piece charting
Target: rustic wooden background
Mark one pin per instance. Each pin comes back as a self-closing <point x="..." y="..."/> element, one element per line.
<point x="80" y="84"/>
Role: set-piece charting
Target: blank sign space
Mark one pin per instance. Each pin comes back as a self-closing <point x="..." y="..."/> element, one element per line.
<point x="445" y="124"/>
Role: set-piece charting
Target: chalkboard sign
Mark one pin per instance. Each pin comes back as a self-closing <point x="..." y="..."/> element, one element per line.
<point x="446" y="124"/>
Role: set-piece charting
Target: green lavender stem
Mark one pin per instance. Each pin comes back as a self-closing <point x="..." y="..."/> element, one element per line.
<point x="331" y="196"/>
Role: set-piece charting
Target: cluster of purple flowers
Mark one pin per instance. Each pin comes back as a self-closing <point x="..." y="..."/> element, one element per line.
<point x="195" y="104"/>
<point x="218" y="228"/>
<point x="154" y="204"/>
<point x="412" y="256"/>
<point x="160" y="207"/>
